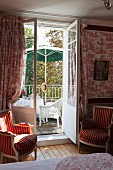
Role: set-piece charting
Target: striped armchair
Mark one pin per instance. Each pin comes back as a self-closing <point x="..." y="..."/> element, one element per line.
<point x="16" y="140"/>
<point x="96" y="132"/>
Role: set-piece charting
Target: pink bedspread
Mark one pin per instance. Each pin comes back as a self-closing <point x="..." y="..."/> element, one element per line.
<point x="98" y="161"/>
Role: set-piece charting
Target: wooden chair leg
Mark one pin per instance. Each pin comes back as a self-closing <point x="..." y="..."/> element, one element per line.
<point x="35" y="152"/>
<point x="78" y="147"/>
<point x="1" y="158"/>
<point x="18" y="159"/>
<point x="107" y="148"/>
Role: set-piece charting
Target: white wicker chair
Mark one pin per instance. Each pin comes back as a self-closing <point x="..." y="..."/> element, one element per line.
<point x="51" y="111"/>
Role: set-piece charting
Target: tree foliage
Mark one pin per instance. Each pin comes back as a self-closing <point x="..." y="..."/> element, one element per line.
<point x="54" y="69"/>
<point x="29" y="37"/>
<point x="55" y="38"/>
<point x="29" y="63"/>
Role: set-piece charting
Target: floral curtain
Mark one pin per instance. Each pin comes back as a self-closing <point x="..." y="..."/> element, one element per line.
<point x="83" y="75"/>
<point x="12" y="55"/>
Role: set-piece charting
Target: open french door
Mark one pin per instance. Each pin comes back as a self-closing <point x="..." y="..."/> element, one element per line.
<point x="25" y="113"/>
<point x="71" y="71"/>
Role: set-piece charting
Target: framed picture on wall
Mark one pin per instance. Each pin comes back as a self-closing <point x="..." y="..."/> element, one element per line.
<point x="101" y="70"/>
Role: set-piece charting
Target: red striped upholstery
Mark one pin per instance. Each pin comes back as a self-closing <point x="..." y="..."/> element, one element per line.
<point x="7" y="124"/>
<point x="102" y="117"/>
<point x="25" y="141"/>
<point x="5" y="143"/>
<point x="6" y="121"/>
<point x="18" y="135"/>
<point x="19" y="129"/>
<point x="96" y="130"/>
<point x="94" y="136"/>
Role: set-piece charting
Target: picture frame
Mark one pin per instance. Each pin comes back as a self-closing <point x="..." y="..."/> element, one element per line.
<point x="101" y="70"/>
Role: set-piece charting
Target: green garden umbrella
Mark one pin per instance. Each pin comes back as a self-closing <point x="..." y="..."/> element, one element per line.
<point x="46" y="54"/>
<point x="50" y="53"/>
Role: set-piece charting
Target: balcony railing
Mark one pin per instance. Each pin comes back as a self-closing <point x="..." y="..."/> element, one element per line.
<point x="53" y="92"/>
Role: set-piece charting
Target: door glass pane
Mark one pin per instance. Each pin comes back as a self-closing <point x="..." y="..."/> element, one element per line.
<point x="71" y="77"/>
<point x="72" y="66"/>
<point x="72" y="34"/>
<point x="72" y="46"/>
<point x="27" y="89"/>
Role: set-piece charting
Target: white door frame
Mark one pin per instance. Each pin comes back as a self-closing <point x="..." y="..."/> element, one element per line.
<point x="73" y="135"/>
<point x="34" y="20"/>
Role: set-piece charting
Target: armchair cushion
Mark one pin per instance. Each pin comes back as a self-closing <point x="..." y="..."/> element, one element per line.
<point x="25" y="142"/>
<point x="94" y="136"/>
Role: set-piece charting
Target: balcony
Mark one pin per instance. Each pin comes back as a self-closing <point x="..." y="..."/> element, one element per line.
<point x="54" y="92"/>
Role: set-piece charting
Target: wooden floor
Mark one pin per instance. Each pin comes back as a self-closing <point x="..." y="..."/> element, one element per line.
<point x="57" y="151"/>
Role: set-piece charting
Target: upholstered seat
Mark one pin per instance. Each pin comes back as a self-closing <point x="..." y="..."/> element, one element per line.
<point x="16" y="140"/>
<point x="25" y="142"/>
<point x="96" y="132"/>
<point x="91" y="135"/>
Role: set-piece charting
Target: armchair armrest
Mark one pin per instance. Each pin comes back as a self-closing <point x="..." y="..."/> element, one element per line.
<point x="7" y="142"/>
<point x="87" y="124"/>
<point x="24" y="124"/>
<point x="110" y="133"/>
<point x="22" y="128"/>
<point x="7" y="133"/>
<point x="109" y="143"/>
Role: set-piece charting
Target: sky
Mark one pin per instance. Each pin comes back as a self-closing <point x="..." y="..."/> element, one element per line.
<point x="42" y="40"/>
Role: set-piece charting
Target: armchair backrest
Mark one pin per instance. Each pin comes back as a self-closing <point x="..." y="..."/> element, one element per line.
<point x="6" y="120"/>
<point x="102" y="116"/>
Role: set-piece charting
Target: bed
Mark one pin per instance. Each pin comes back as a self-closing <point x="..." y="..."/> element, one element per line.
<point x="49" y="164"/>
<point x="97" y="161"/>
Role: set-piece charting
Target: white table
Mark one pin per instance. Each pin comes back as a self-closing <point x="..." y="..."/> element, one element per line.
<point x="23" y="102"/>
<point x="30" y="103"/>
<point x="39" y="102"/>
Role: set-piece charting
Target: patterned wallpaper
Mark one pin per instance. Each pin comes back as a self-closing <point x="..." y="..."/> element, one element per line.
<point x="99" y="47"/>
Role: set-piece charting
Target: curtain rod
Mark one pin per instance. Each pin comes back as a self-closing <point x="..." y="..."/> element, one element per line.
<point x="99" y="28"/>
